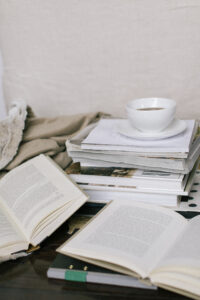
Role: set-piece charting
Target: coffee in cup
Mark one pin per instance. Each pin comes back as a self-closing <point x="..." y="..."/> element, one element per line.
<point x="151" y="115"/>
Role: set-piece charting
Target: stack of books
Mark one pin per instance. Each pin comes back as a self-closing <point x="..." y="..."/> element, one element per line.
<point x="109" y="165"/>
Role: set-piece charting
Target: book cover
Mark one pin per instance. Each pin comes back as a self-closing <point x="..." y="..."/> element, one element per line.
<point x="71" y="269"/>
<point x="105" y="136"/>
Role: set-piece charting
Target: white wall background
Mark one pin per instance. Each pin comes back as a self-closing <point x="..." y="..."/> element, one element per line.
<point x="70" y="56"/>
<point x="3" y="113"/>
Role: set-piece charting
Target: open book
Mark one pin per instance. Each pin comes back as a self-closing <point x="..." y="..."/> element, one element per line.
<point x="150" y="242"/>
<point x="35" y="199"/>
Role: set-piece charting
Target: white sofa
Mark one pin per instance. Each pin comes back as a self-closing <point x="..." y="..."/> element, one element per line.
<point x="71" y="56"/>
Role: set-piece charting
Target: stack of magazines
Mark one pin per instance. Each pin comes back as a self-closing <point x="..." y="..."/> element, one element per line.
<point x="109" y="165"/>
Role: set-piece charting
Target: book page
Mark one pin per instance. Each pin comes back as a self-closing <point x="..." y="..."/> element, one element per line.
<point x="35" y="190"/>
<point x="132" y="235"/>
<point x="185" y="253"/>
<point x="186" y="285"/>
<point x="10" y="238"/>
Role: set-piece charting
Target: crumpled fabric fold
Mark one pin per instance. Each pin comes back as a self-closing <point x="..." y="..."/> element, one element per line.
<point x="11" y="132"/>
<point x="23" y="135"/>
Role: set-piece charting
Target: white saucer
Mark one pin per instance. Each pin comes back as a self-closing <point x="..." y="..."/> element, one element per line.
<point x="176" y="127"/>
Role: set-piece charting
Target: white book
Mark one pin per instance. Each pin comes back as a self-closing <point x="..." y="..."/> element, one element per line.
<point x="120" y="189"/>
<point x="165" y="165"/>
<point x="35" y="199"/>
<point x="73" y="145"/>
<point x="126" y="177"/>
<point x="111" y="188"/>
<point x="106" y="137"/>
<point x="145" y="241"/>
<point x="168" y="161"/>
<point x="105" y="196"/>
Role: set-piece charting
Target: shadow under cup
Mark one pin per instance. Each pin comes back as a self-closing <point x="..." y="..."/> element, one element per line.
<point x="151" y="115"/>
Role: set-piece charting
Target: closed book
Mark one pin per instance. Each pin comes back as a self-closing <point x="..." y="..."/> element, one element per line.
<point x="126" y="177"/>
<point x="105" y="196"/>
<point x="68" y="268"/>
<point x="105" y="136"/>
<point x="175" y="162"/>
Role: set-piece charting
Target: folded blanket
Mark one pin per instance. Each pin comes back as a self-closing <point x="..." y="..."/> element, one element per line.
<point x="23" y="135"/>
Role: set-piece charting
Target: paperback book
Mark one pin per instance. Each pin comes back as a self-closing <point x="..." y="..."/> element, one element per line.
<point x="148" y="242"/>
<point x="35" y="199"/>
<point x="126" y="177"/>
<point x="176" y="162"/>
<point x="134" y="185"/>
<point x="105" y="196"/>
<point x="105" y="136"/>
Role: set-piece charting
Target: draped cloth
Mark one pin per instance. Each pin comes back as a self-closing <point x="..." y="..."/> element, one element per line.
<point x="23" y="135"/>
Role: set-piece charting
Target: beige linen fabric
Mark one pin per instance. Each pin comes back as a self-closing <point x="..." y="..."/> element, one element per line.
<point x="48" y="136"/>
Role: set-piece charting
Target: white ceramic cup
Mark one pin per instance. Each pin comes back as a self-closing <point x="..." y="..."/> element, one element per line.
<point x="151" y="115"/>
